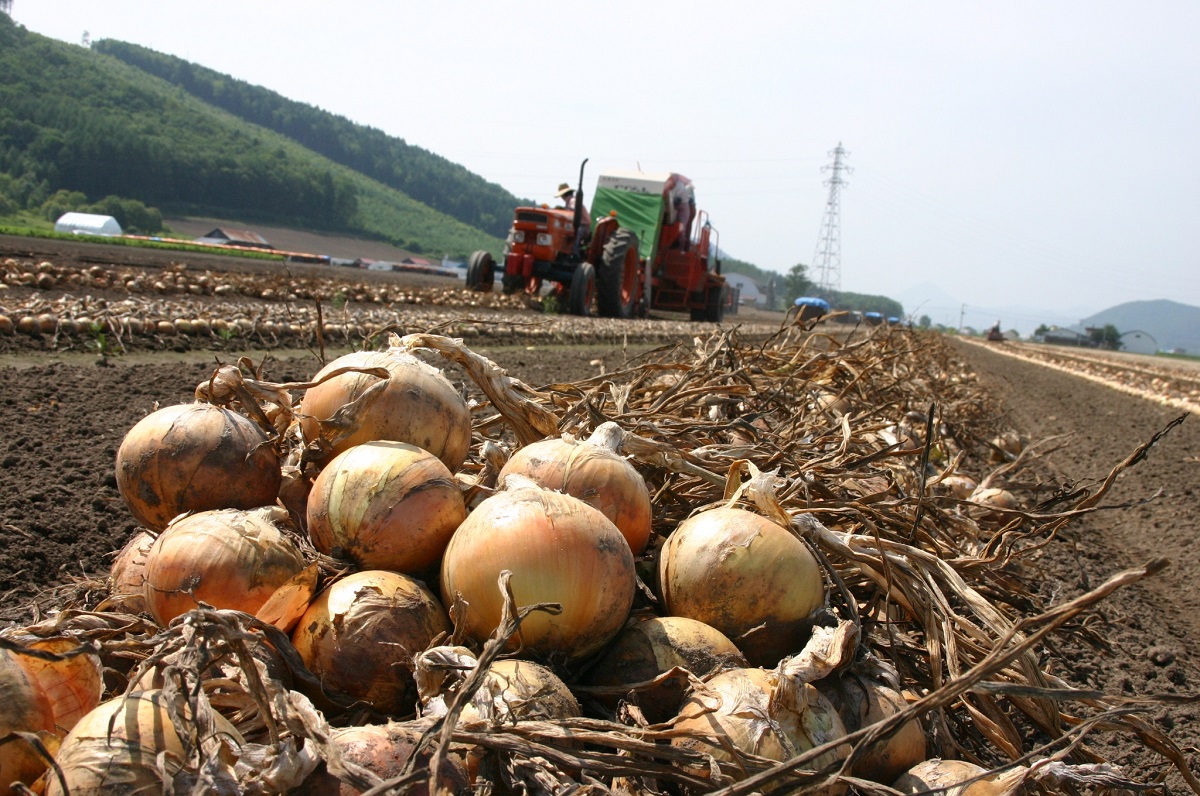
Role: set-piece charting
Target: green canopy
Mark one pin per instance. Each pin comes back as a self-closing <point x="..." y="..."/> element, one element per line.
<point x="637" y="200"/>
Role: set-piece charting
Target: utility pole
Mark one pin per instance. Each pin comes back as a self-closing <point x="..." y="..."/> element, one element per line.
<point x="827" y="262"/>
<point x="961" y="314"/>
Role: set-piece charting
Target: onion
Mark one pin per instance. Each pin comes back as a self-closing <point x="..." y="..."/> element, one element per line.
<point x="73" y="684"/>
<point x="23" y="707"/>
<point x="960" y="486"/>
<point x="648" y="647"/>
<point x="385" y="749"/>
<point x="417" y="405"/>
<point x="116" y="748"/>
<point x="861" y="703"/>
<point x="359" y="637"/>
<point x="385" y="505"/>
<point x="559" y="550"/>
<point x="228" y="558"/>
<point x="194" y="457"/>
<point x="594" y="472"/>
<point x="127" y="578"/>
<point x="760" y="714"/>
<point x="945" y="776"/>
<point x="513" y="690"/>
<point x="744" y="575"/>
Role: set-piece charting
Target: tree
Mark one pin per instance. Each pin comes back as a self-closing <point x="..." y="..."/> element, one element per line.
<point x="925" y="322"/>
<point x="1041" y="330"/>
<point x="1106" y="336"/>
<point x="796" y="283"/>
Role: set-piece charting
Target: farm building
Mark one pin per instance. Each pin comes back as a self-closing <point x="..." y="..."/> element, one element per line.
<point x="1060" y="336"/>
<point x="87" y="224"/>
<point x="224" y="236"/>
<point x="1139" y="342"/>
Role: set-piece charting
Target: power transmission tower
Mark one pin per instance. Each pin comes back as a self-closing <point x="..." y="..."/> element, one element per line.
<point x="827" y="262"/>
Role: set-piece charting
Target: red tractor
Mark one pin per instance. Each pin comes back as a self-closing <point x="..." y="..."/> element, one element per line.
<point x="648" y="248"/>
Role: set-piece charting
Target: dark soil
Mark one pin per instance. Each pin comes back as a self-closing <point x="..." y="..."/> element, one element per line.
<point x="61" y="516"/>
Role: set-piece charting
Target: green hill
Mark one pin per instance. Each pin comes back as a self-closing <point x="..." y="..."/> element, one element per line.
<point x="75" y="119"/>
<point x="420" y="174"/>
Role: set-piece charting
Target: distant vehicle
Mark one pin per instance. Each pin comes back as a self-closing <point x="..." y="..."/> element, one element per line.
<point x="994" y="334"/>
<point x="648" y="248"/>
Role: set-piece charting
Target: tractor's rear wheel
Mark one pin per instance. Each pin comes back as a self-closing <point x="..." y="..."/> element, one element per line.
<point x="583" y="289"/>
<point x="481" y="272"/>
<point x="714" y="306"/>
<point x="617" y="280"/>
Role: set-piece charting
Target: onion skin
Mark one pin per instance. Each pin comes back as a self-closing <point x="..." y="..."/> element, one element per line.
<point x="419" y="405"/>
<point x="24" y="707"/>
<point x="385" y="505"/>
<point x="945" y="775"/>
<point x="229" y="559"/>
<point x="194" y="457"/>
<point x="559" y="550"/>
<point x="127" y="578"/>
<point x="648" y="647"/>
<point x="513" y="690"/>
<point x="359" y="637"/>
<point x="594" y="472"/>
<point x="737" y="571"/>
<point x="113" y="749"/>
<point x="741" y="706"/>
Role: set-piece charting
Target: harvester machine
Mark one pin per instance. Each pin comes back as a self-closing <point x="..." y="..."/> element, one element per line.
<point x="646" y="248"/>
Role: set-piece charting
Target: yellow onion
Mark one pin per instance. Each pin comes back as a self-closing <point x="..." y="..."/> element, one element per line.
<point x="228" y="559"/>
<point x="512" y="690"/>
<point x="194" y="457"/>
<point x="385" y="505"/>
<point x="73" y="684"/>
<point x="559" y="550"/>
<point x="384" y="750"/>
<point x="960" y="486"/>
<point x="417" y="405"/>
<point x="116" y="748"/>
<point x="946" y="776"/>
<point x="746" y="576"/>
<point x="650" y="646"/>
<point x="593" y="471"/>
<point x="860" y="703"/>
<point x="127" y="578"/>
<point x="359" y="637"/>
<point x="24" y="707"/>
<point x="758" y="713"/>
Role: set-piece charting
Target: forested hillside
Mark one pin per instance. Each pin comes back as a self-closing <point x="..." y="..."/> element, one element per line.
<point x="74" y="119"/>
<point x="421" y="174"/>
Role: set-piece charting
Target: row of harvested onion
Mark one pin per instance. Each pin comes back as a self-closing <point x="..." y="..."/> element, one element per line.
<point x="241" y="491"/>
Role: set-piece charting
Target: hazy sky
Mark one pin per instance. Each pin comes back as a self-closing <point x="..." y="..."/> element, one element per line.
<point x="1034" y="160"/>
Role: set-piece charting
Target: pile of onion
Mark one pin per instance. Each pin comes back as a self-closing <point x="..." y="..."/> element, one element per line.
<point x="595" y="472"/>
<point x="559" y="550"/>
<point x="360" y="635"/>
<point x="228" y="558"/>
<point x="648" y="647"/>
<point x="24" y="707"/>
<point x="759" y="713"/>
<point x="119" y="746"/>
<point x="195" y="457"/>
<point x="862" y="702"/>
<point x="385" y="505"/>
<point x="748" y="577"/>
<point x="416" y="404"/>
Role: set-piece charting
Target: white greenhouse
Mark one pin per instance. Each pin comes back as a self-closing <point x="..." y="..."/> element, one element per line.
<point x="87" y="224"/>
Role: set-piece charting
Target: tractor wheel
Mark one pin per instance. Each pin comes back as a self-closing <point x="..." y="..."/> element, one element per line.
<point x="714" y="307"/>
<point x="583" y="289"/>
<point x="481" y="272"/>
<point x="617" y="280"/>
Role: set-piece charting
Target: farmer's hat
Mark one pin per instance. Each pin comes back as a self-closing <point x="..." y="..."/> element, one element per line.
<point x="564" y="189"/>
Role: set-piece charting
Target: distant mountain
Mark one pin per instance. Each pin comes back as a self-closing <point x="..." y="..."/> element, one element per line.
<point x="1171" y="324"/>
